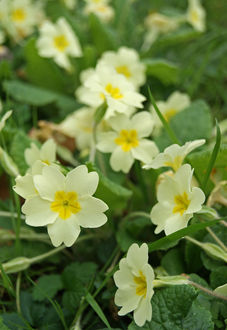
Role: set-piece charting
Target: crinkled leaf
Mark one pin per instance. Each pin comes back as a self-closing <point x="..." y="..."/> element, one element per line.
<point x="47" y="286"/>
<point x="195" y="122"/>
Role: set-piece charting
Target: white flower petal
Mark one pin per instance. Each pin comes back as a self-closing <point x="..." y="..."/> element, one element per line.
<point x="143" y="312"/>
<point x="51" y="181"/>
<point x="82" y="182"/>
<point x="25" y="186"/>
<point x="123" y="277"/>
<point x="145" y="151"/>
<point x="48" y="151"/>
<point x="159" y="214"/>
<point x="197" y="198"/>
<point x="128" y="299"/>
<point x="176" y="222"/>
<point x="143" y="123"/>
<point x="121" y="160"/>
<point x="38" y="212"/>
<point x="64" y="231"/>
<point x="91" y="214"/>
<point x="106" y="141"/>
<point x="137" y="257"/>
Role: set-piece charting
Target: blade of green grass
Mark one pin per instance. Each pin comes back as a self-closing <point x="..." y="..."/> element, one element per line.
<point x="97" y="309"/>
<point x="213" y="156"/>
<point x="165" y="124"/>
<point x="165" y="241"/>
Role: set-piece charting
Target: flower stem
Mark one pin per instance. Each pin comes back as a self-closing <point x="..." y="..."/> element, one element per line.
<point x="18" y="283"/>
<point x="210" y="292"/>
<point x="215" y="237"/>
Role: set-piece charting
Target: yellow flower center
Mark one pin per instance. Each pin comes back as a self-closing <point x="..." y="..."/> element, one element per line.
<point x="194" y="16"/>
<point x="181" y="203"/>
<point x="141" y="285"/>
<point x="65" y="204"/>
<point x="18" y="15"/>
<point x="175" y="164"/>
<point x="61" y="42"/>
<point x="46" y="162"/>
<point x="114" y="92"/>
<point x="123" y="69"/>
<point x="127" y="139"/>
<point x="169" y="114"/>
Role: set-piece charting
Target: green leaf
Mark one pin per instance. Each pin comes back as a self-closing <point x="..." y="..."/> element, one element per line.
<point x="97" y="309"/>
<point x="76" y="271"/>
<point x="165" y="71"/>
<point x="110" y="192"/>
<point x="41" y="71"/>
<point x="213" y="157"/>
<point x="133" y="231"/>
<point x="14" y="321"/>
<point x="19" y="143"/>
<point x="164" y="242"/>
<point x="103" y="37"/>
<point x="30" y="94"/>
<point x="173" y="263"/>
<point x="195" y="122"/>
<point x="218" y="277"/>
<point x="47" y="285"/>
<point x="2" y="325"/>
<point x="198" y="318"/>
<point x="170" y="306"/>
<point x="199" y="161"/>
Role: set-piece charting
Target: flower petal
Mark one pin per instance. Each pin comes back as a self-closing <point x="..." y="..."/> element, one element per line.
<point x="197" y="198"/>
<point x="137" y="257"/>
<point x="143" y="123"/>
<point x="82" y="182"/>
<point x="38" y="212"/>
<point x="91" y="214"/>
<point x="121" y="160"/>
<point x="106" y="141"/>
<point x="145" y="151"/>
<point x="64" y="231"/>
<point x="49" y="182"/>
<point x="143" y="312"/>
<point x="176" y="223"/>
<point x="128" y="299"/>
<point x="123" y="277"/>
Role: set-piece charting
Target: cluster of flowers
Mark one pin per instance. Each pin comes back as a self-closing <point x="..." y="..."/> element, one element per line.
<point x="20" y="18"/>
<point x="158" y="24"/>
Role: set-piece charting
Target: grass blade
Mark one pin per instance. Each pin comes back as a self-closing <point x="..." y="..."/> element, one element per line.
<point x="163" y="243"/>
<point x="165" y="124"/>
<point x="97" y="309"/>
<point x="213" y="156"/>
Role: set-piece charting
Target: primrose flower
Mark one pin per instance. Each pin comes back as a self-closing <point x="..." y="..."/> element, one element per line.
<point x="58" y="41"/>
<point x="21" y="18"/>
<point x="106" y="84"/>
<point x="46" y="154"/>
<point x="65" y="204"/>
<point x="174" y="155"/>
<point x="196" y="15"/>
<point x="134" y="280"/>
<point x="127" y="140"/>
<point x="100" y="8"/>
<point x="157" y="24"/>
<point x="126" y="62"/>
<point x="177" y="201"/>
<point x="79" y="125"/>
<point x="175" y="103"/>
<point x="71" y="4"/>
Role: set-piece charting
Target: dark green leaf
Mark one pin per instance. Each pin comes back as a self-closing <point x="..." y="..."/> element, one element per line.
<point x="19" y="143"/>
<point x="47" y="286"/>
<point x="92" y="302"/>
